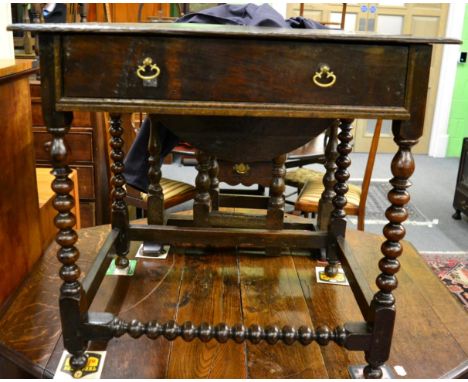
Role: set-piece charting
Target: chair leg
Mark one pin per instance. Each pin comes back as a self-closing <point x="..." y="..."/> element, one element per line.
<point x="360" y="222"/>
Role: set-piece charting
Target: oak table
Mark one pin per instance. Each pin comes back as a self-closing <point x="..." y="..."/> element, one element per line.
<point x="431" y="329"/>
<point x="247" y="96"/>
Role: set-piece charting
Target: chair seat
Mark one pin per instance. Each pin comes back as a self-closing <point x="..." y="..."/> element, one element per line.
<point x="299" y="177"/>
<point x="310" y="195"/>
<point x="174" y="192"/>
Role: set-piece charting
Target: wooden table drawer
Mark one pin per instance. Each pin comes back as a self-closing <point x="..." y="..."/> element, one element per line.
<point x="247" y="70"/>
<point x="79" y="146"/>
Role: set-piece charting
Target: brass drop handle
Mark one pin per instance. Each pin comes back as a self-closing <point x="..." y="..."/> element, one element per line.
<point x="241" y="168"/>
<point x="148" y="62"/>
<point x="324" y="71"/>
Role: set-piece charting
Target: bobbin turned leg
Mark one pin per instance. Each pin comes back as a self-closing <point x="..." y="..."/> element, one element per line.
<point x="214" y="183"/>
<point x="325" y="206"/>
<point x="155" y="210"/>
<point x="383" y="303"/>
<point x="202" y="202"/>
<point x="72" y="299"/>
<point x="119" y="206"/>
<point x="337" y="226"/>
<point x="275" y="211"/>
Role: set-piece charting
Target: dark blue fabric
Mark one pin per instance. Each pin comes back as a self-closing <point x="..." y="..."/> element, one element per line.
<point x="248" y="14"/>
<point x="136" y="161"/>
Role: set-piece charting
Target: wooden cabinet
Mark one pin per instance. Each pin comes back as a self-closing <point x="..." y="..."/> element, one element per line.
<point x="87" y="153"/>
<point x="20" y="232"/>
<point x="460" y="200"/>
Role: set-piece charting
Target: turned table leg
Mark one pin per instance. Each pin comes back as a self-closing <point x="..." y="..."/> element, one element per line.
<point x="119" y="206"/>
<point x="202" y="202"/>
<point x="72" y="299"/>
<point x="326" y="199"/>
<point x="383" y="303"/>
<point x="337" y="226"/>
<point x="214" y="183"/>
<point x="457" y="215"/>
<point x="155" y="203"/>
<point x="275" y="212"/>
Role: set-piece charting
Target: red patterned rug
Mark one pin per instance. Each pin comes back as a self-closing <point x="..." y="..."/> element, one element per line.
<point x="452" y="270"/>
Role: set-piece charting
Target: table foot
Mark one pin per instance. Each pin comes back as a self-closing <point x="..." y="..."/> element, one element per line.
<point x="121" y="262"/>
<point x="359" y="372"/>
<point x="78" y="362"/>
<point x="331" y="270"/>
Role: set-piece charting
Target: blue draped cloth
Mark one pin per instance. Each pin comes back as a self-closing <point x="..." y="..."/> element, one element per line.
<point x="136" y="161"/>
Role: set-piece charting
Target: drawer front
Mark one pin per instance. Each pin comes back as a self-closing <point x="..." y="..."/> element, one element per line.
<point x="205" y="69"/>
<point x="79" y="146"/>
<point x="80" y="118"/>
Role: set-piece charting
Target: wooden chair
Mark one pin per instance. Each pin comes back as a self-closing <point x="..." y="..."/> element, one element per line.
<point x="311" y="193"/>
<point x="175" y="192"/>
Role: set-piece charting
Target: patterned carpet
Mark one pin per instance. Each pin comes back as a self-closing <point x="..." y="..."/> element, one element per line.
<point x="452" y="270"/>
<point x="377" y="203"/>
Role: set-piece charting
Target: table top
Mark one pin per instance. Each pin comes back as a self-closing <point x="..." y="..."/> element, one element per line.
<point x="430" y="339"/>
<point x="183" y="29"/>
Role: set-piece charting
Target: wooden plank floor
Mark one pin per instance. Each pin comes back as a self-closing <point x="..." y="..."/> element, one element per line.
<point x="430" y="335"/>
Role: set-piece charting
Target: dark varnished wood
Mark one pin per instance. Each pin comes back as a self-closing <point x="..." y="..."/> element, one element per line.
<point x="337" y="223"/>
<point x="266" y="303"/>
<point x="383" y="303"/>
<point x="229" y="30"/>
<point x="395" y="88"/>
<point x="202" y="202"/>
<point x="228" y="237"/>
<point x="155" y="193"/>
<point x="213" y="78"/>
<point x="209" y="289"/>
<point x="214" y="183"/>
<point x="234" y="134"/>
<point x="257" y="173"/>
<point x="427" y="345"/>
<point x="325" y="206"/>
<point x="119" y="206"/>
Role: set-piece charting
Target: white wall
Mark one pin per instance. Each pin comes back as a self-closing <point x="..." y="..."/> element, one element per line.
<point x="7" y="50"/>
<point x="448" y="70"/>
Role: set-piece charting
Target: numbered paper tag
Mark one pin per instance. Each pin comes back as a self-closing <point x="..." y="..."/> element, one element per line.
<point x="92" y="370"/>
<point x="339" y="279"/>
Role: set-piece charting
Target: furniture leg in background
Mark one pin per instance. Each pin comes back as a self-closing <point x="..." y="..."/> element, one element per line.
<point x="120" y="219"/>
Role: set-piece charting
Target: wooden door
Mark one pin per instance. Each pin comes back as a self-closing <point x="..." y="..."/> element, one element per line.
<point x="422" y="19"/>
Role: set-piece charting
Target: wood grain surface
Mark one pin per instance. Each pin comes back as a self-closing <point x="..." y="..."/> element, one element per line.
<point x="430" y="335"/>
<point x="20" y="236"/>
